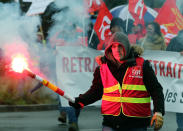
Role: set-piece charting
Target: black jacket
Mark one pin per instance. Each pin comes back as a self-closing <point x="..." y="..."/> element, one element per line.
<point x="175" y="44"/>
<point x="117" y="122"/>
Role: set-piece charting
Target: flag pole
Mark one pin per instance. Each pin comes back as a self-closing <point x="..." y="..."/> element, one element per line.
<point x="127" y="20"/>
<point x="91" y="37"/>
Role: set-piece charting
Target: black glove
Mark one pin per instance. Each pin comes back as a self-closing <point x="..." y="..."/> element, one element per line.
<point x="77" y="104"/>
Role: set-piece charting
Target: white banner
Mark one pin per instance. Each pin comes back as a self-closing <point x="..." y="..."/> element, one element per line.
<point x="75" y="67"/>
<point x="168" y="68"/>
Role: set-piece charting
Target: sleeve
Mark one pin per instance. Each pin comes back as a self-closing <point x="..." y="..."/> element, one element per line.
<point x="153" y="87"/>
<point x="95" y="92"/>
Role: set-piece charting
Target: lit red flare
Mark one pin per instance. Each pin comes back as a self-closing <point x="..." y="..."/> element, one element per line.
<point x="19" y="63"/>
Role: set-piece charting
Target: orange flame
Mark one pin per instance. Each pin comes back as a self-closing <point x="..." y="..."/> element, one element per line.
<point x="19" y="63"/>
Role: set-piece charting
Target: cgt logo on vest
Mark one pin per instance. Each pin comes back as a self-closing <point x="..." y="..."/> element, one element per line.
<point x="136" y="72"/>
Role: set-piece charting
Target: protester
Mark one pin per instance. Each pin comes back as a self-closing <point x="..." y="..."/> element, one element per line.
<point x="67" y="37"/>
<point x="72" y="114"/>
<point x="154" y="39"/>
<point x="140" y="31"/>
<point x="134" y="32"/>
<point x="176" y="44"/>
<point x="130" y="31"/>
<point x="40" y="38"/>
<point x="126" y="83"/>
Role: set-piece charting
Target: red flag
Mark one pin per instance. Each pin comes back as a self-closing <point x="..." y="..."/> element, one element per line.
<point x="170" y="19"/>
<point x="137" y="9"/>
<point x="94" y="5"/>
<point x="102" y="25"/>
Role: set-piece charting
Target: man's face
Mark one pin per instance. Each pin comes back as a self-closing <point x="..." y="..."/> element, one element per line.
<point x="118" y="51"/>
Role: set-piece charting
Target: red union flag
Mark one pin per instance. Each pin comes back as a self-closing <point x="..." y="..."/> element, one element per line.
<point x="102" y="25"/>
<point x="171" y="24"/>
<point x="94" y="5"/>
<point x="137" y="9"/>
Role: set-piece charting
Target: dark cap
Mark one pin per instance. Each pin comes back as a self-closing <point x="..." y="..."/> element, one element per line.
<point x="117" y="22"/>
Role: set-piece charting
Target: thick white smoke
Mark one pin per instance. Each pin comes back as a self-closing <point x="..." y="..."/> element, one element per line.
<point x="16" y="27"/>
<point x="21" y="30"/>
<point x="18" y="35"/>
<point x="73" y="13"/>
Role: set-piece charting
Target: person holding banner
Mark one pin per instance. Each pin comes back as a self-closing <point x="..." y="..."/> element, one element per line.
<point x="126" y="83"/>
<point x="176" y="44"/>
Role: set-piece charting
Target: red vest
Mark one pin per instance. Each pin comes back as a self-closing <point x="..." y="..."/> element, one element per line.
<point x="132" y="98"/>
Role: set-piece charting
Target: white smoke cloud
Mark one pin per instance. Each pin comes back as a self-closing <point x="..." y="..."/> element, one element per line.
<point x="18" y="34"/>
<point x="16" y="27"/>
<point x="73" y="14"/>
<point x="21" y="29"/>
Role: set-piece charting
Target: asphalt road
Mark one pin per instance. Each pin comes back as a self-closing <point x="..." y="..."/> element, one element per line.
<point x="89" y="120"/>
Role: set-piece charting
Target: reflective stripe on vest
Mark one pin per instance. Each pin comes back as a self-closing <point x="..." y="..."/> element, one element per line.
<point x="125" y="87"/>
<point x="112" y="88"/>
<point x="126" y="99"/>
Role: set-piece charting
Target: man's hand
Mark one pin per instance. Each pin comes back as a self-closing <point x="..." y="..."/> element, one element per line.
<point x="157" y="119"/>
<point x="77" y="104"/>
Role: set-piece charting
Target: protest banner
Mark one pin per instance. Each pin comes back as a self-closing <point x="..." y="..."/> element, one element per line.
<point x="75" y="67"/>
<point x="168" y="67"/>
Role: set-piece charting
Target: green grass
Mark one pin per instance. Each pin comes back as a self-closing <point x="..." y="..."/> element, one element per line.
<point x="12" y="94"/>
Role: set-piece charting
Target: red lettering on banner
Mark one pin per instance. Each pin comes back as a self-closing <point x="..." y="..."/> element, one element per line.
<point x="150" y="61"/>
<point x="73" y="64"/>
<point x="80" y="59"/>
<point x="179" y="71"/>
<point x="155" y="66"/>
<point x="78" y="64"/>
<point x="65" y="64"/>
<point x="174" y="74"/>
<point x="87" y="64"/>
<point x="162" y="68"/>
<point x="169" y="69"/>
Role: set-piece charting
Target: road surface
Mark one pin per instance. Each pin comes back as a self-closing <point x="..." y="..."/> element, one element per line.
<point x="89" y="120"/>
